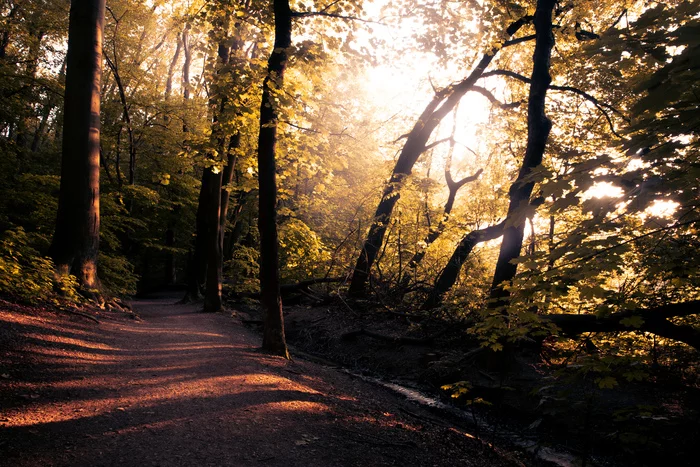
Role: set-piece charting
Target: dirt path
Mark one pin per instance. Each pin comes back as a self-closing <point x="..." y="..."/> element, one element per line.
<point x="191" y="389"/>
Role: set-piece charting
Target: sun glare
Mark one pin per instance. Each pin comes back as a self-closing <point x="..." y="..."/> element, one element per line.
<point x="401" y="87"/>
<point x="603" y="190"/>
<point x="662" y="208"/>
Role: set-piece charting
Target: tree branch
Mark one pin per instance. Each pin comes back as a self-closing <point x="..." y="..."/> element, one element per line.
<point x="655" y="321"/>
<point x="519" y="40"/>
<point x="487" y="94"/>
<point x="599" y="105"/>
<point x="436" y="143"/>
<point x="306" y="14"/>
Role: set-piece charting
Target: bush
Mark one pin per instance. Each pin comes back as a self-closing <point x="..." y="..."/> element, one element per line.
<point x="243" y="269"/>
<point x="302" y="253"/>
<point x="116" y="274"/>
<point x="28" y="277"/>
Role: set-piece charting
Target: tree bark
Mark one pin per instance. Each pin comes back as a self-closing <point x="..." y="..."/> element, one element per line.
<point x="196" y="263"/>
<point x="441" y="105"/>
<point x="218" y="197"/>
<point x="75" y="242"/>
<point x="273" y="334"/>
<point x="187" y="63"/>
<point x="538" y="128"/>
<point x="227" y="179"/>
<point x="213" y="289"/>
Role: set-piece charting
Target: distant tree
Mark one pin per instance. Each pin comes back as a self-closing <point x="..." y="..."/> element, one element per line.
<point x="76" y="239"/>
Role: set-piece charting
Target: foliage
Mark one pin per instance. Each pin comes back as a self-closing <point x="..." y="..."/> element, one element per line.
<point x="242" y="270"/>
<point x="302" y="252"/>
<point x="29" y="277"/>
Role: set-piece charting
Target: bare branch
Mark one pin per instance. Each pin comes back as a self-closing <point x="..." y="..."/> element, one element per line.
<point x="306" y="14"/>
<point x="435" y="143"/>
<point x="655" y="321"/>
<point x="519" y="40"/>
<point x="487" y="94"/>
<point x="585" y="95"/>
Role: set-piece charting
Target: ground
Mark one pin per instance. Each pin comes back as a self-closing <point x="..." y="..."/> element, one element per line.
<point x="527" y="403"/>
<point x="179" y="387"/>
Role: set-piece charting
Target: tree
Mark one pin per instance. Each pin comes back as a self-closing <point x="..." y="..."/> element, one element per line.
<point x="273" y="337"/>
<point x="538" y="127"/>
<point x="416" y="144"/>
<point x="76" y="239"/>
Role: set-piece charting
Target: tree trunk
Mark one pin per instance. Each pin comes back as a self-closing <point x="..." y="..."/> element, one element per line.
<point x="212" y="294"/>
<point x="197" y="263"/>
<point x="538" y="127"/>
<point x="435" y="233"/>
<point x="236" y="230"/>
<point x="441" y="105"/>
<point x="227" y="179"/>
<point x="75" y="243"/>
<point x="216" y="218"/>
<point x="127" y="119"/>
<point x="273" y="337"/>
<point x="171" y="69"/>
<point x="187" y="63"/>
<point x="448" y="276"/>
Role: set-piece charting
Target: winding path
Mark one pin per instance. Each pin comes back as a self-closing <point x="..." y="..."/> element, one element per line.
<point x="182" y="388"/>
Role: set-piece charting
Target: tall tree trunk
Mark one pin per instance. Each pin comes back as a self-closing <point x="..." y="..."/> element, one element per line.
<point x="212" y="291"/>
<point x="187" y="63"/>
<point x="416" y="144"/>
<point x="538" y="128"/>
<point x="273" y="337"/>
<point x="227" y="178"/>
<point x="236" y="231"/>
<point x="197" y="261"/>
<point x="75" y="243"/>
<point x="215" y="234"/>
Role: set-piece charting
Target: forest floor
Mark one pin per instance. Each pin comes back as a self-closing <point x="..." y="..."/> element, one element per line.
<point x="513" y="398"/>
<point x="177" y="387"/>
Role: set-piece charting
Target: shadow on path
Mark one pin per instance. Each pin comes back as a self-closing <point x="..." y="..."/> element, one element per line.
<point x="186" y="388"/>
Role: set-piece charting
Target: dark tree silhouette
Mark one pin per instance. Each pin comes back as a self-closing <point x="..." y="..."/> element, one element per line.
<point x="75" y="242"/>
<point x="273" y="337"/>
<point x="538" y="127"/>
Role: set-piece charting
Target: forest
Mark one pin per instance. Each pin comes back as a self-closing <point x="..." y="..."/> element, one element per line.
<point x="510" y="187"/>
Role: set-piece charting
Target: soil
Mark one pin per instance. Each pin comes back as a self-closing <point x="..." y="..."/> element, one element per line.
<point x="179" y="387"/>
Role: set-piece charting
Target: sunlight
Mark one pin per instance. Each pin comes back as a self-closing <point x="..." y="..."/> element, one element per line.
<point x="603" y="190"/>
<point x="401" y="89"/>
<point x="662" y="208"/>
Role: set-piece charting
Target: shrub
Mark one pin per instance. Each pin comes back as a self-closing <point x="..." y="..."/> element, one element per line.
<point x="27" y="276"/>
